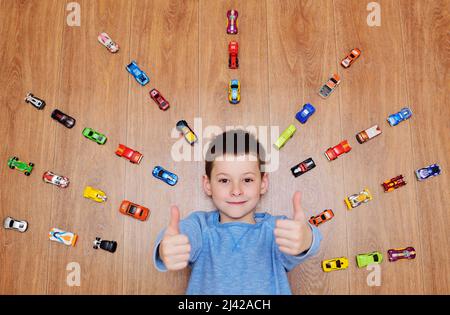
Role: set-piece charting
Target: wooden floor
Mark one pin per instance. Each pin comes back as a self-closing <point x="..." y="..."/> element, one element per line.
<point x="287" y="50"/>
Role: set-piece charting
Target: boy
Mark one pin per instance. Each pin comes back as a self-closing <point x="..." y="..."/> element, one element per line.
<point x="234" y="250"/>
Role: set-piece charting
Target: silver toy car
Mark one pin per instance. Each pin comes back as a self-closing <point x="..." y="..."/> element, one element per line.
<point x="35" y="101"/>
<point x="13" y="224"/>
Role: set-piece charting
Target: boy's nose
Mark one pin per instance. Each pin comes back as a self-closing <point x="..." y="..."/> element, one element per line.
<point x="237" y="191"/>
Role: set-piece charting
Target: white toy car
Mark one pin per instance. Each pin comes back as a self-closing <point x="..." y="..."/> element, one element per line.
<point x="106" y="41"/>
<point x="13" y="224"/>
<point x="57" y="180"/>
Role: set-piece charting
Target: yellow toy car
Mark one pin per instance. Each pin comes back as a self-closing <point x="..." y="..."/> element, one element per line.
<point x="355" y="200"/>
<point x="335" y="264"/>
<point x="285" y="136"/>
<point x="94" y="194"/>
<point x="234" y="91"/>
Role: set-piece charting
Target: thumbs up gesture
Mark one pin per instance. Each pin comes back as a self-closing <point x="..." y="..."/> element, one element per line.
<point x="293" y="236"/>
<point x="174" y="248"/>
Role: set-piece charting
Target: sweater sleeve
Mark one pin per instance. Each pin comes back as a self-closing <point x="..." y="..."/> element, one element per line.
<point x="192" y="228"/>
<point x="289" y="262"/>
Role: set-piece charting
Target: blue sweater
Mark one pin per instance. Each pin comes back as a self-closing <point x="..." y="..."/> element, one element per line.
<point x="236" y="257"/>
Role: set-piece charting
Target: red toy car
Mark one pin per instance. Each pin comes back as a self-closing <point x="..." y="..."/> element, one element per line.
<point x="134" y="156"/>
<point x="323" y="217"/>
<point x="233" y="60"/>
<point x="394" y="183"/>
<point x="159" y="99"/>
<point x="334" y="152"/>
<point x="134" y="210"/>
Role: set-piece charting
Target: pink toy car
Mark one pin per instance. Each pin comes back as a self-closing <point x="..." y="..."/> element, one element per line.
<point x="106" y="41"/>
<point x="401" y="253"/>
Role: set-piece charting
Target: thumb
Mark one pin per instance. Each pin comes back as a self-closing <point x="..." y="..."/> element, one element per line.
<point x="173" y="228"/>
<point x="299" y="215"/>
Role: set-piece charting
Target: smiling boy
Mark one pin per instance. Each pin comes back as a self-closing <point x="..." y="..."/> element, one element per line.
<point x="234" y="250"/>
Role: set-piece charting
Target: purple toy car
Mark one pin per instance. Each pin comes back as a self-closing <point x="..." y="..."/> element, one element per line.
<point x="431" y="170"/>
<point x="401" y="253"/>
<point x="232" y="16"/>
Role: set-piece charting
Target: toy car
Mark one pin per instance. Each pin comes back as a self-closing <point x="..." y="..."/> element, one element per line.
<point x="233" y="60"/>
<point x="187" y="132"/>
<point x="165" y="175"/>
<point x="52" y="178"/>
<point x="106" y="41"/>
<point x="430" y="170"/>
<point x="335" y="264"/>
<point x="234" y="91"/>
<point x="94" y="194"/>
<point x="95" y="136"/>
<point x="303" y="115"/>
<point x="323" y="217"/>
<point x="60" y="236"/>
<point x="130" y="154"/>
<point x="163" y="104"/>
<point x="334" y="152"/>
<point x="14" y="163"/>
<point x="134" y="210"/>
<point x="393" y="183"/>
<point x="285" y="136"/>
<point x="363" y="260"/>
<point x="330" y="86"/>
<point x="232" y="27"/>
<point x="355" y="200"/>
<point x="62" y="118"/>
<point x="109" y="246"/>
<point x="303" y="167"/>
<point x="403" y="114"/>
<point x="368" y="134"/>
<point x="351" y="57"/>
<point x="13" y="224"/>
<point x="33" y="100"/>
<point x="401" y="253"/>
<point x="137" y="73"/>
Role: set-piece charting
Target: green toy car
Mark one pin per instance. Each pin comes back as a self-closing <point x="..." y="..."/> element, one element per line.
<point x="94" y="135"/>
<point x="363" y="260"/>
<point x="14" y="163"/>
<point x="285" y="136"/>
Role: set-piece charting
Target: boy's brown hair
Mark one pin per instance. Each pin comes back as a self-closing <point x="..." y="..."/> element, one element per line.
<point x="235" y="142"/>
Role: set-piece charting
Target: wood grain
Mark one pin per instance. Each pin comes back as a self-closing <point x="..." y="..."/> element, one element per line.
<point x="287" y="50"/>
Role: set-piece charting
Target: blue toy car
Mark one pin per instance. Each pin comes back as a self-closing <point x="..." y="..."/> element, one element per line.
<point x="303" y="115"/>
<point x="431" y="170"/>
<point x="165" y="175"/>
<point x="403" y="114"/>
<point x="137" y="73"/>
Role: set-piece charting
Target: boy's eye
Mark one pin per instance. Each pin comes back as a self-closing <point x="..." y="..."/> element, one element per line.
<point x="248" y="180"/>
<point x="223" y="180"/>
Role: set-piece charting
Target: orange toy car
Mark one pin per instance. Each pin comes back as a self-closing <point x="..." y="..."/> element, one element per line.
<point x="233" y="60"/>
<point x="134" y="210"/>
<point x="330" y="86"/>
<point x="351" y="57"/>
<point x="323" y="217"/>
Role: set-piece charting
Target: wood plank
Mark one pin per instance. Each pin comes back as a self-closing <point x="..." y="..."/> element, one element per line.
<point x="93" y="90"/>
<point x="164" y="42"/>
<point x="371" y="90"/>
<point x="427" y="59"/>
<point x="30" y="59"/>
<point x="299" y="63"/>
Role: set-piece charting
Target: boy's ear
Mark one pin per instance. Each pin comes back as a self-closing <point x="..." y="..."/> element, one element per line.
<point x="264" y="183"/>
<point x="207" y="185"/>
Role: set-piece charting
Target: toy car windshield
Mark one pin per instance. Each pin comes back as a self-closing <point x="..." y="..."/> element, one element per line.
<point x="132" y="210"/>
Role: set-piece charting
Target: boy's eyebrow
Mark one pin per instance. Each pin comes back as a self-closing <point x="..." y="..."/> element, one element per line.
<point x="229" y="175"/>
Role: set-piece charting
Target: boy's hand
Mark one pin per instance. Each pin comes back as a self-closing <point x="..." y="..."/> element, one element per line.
<point x="174" y="248"/>
<point x="294" y="236"/>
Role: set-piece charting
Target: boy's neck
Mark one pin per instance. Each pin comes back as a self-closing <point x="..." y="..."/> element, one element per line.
<point x="248" y="218"/>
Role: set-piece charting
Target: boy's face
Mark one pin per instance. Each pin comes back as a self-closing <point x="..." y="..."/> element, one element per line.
<point x="236" y="187"/>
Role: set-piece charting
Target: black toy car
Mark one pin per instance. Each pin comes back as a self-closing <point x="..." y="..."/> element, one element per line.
<point x="109" y="246"/>
<point x="35" y="101"/>
<point x="303" y="167"/>
<point x="64" y="119"/>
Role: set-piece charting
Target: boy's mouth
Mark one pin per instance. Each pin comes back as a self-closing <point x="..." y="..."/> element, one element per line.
<point x="236" y="202"/>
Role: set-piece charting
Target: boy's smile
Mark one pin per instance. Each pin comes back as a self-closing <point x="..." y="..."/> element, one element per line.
<point x="236" y="185"/>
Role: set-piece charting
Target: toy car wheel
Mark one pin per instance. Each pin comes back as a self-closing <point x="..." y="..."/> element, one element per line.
<point x="12" y="167"/>
<point x="27" y="173"/>
<point x="31" y="164"/>
<point x="15" y="158"/>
